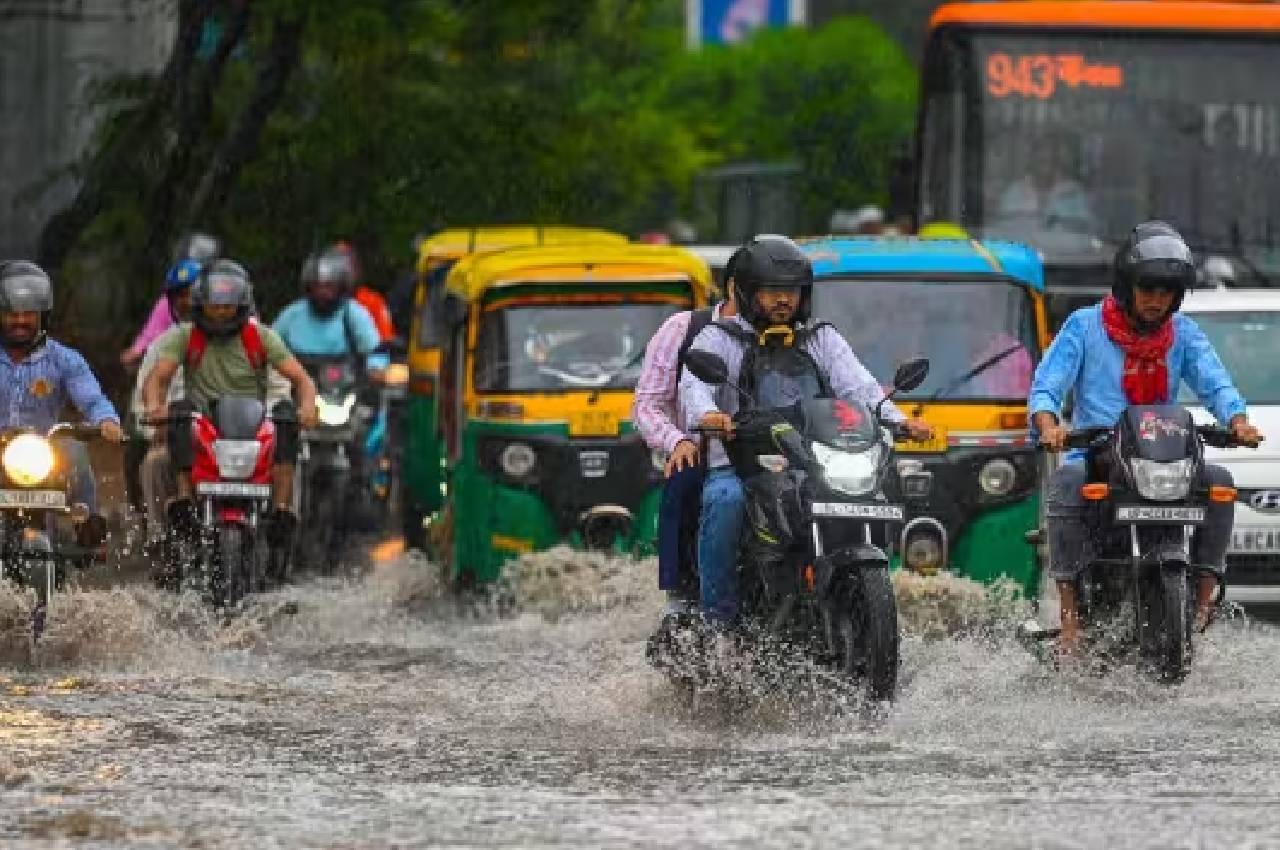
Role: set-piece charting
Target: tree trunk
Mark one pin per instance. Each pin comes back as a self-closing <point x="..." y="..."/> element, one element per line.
<point x="64" y="228"/>
<point x="195" y="112"/>
<point x="283" y="56"/>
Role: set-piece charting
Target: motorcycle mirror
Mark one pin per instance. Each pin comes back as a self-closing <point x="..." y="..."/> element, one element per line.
<point x="910" y="375"/>
<point x="707" y="367"/>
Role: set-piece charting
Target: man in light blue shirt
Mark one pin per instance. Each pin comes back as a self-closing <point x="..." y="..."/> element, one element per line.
<point x="327" y="322"/>
<point x="1133" y="348"/>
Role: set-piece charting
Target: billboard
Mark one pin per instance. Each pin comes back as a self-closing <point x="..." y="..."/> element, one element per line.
<point x="730" y="21"/>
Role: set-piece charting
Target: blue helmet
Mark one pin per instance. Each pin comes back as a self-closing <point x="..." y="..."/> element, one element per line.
<point x="181" y="275"/>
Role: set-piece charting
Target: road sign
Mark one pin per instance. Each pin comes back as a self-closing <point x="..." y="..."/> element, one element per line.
<point x="731" y="21"/>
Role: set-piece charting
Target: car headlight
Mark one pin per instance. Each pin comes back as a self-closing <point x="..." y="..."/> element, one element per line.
<point x="335" y="414"/>
<point x="518" y="459"/>
<point x="1161" y="482"/>
<point x="236" y="458"/>
<point x="997" y="477"/>
<point x="851" y="473"/>
<point x="28" y="460"/>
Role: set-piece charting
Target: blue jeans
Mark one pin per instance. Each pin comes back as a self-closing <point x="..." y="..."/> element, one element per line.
<point x="723" y="510"/>
<point x="83" y="487"/>
<point x="677" y="521"/>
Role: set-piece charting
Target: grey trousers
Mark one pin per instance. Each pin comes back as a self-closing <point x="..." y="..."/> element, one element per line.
<point x="1072" y="539"/>
<point x="155" y="476"/>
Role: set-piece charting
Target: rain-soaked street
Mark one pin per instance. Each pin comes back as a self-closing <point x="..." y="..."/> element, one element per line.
<point x="371" y="714"/>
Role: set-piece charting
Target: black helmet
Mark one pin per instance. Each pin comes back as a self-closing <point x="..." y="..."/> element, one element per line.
<point x="225" y="283"/>
<point x="1154" y="255"/>
<point x="198" y="246"/>
<point x="770" y="262"/>
<point x="25" y="288"/>
<point x="332" y="266"/>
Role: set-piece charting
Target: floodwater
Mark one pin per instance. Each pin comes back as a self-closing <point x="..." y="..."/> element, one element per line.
<point x="373" y="713"/>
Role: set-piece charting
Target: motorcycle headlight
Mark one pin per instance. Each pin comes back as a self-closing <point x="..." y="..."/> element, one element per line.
<point x="1161" y="482"/>
<point x="518" y="460"/>
<point x="28" y="460"/>
<point x="997" y="477"/>
<point x="851" y="473"/>
<point x="335" y="414"/>
<point x="236" y="458"/>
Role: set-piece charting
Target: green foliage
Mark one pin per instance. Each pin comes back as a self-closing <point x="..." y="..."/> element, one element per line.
<point x="840" y="100"/>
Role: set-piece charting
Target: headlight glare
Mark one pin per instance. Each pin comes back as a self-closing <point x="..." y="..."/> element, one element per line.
<point x="335" y="414"/>
<point x="518" y="460"/>
<point x="851" y="473"/>
<point x="997" y="477"/>
<point x="1161" y="482"/>
<point x="28" y="460"/>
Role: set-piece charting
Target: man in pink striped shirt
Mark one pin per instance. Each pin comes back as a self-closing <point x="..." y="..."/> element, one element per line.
<point x="656" y="416"/>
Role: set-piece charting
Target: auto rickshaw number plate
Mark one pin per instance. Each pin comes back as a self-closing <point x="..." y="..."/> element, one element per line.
<point x="936" y="445"/>
<point x="33" y="499"/>
<point x="593" y="423"/>
<point x="843" y="509"/>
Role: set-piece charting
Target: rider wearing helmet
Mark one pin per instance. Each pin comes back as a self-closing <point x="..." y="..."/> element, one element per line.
<point x="777" y="353"/>
<point x="326" y="322"/>
<point x="1133" y="348"/>
<point x="192" y="253"/>
<point x="40" y="376"/>
<point x="225" y="352"/>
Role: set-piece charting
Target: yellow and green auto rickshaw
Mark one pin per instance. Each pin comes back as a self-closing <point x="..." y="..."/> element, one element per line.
<point x="540" y="356"/>
<point x="422" y="474"/>
<point x="976" y="310"/>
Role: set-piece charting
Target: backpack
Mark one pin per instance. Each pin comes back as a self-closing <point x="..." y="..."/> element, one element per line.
<point x="750" y="346"/>
<point x="698" y="320"/>
<point x="198" y="343"/>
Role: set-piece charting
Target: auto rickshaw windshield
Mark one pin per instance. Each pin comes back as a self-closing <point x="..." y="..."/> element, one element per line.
<point x="986" y="328"/>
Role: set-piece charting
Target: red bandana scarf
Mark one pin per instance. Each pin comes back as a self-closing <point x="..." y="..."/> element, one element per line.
<point x="1146" y="370"/>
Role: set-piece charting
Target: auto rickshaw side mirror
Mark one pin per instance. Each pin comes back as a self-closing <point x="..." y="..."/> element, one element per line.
<point x="910" y="375"/>
<point x="707" y="367"/>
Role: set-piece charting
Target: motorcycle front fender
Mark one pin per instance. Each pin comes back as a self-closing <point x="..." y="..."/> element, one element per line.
<point x="845" y="563"/>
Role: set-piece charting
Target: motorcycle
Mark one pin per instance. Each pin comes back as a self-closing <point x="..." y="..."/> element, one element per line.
<point x="1145" y="495"/>
<point x="819" y="476"/>
<point x="226" y="557"/>
<point x="38" y="543"/>
<point x="326" y="476"/>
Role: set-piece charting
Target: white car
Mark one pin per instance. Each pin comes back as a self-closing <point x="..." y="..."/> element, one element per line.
<point x="1244" y="326"/>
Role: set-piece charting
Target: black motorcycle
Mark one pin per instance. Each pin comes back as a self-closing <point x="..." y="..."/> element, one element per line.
<point x="330" y="466"/>
<point x="1145" y="495"/>
<point x="38" y="539"/>
<point x="820" y="481"/>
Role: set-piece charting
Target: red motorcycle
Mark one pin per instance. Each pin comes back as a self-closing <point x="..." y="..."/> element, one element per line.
<point x="226" y="556"/>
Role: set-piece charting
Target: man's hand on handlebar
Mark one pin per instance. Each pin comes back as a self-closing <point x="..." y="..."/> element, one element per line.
<point x="155" y="414"/>
<point x="111" y="431"/>
<point x="918" y="429"/>
<point x="1245" y="433"/>
<point x="308" y="417"/>
<point x="717" y="421"/>
<point x="1053" y="436"/>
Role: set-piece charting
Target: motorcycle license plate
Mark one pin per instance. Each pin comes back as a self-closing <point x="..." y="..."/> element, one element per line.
<point x="1255" y="541"/>
<point x="1159" y="514"/>
<point x="593" y="423"/>
<point x="844" y="510"/>
<point x="233" y="488"/>
<point x="33" y="499"/>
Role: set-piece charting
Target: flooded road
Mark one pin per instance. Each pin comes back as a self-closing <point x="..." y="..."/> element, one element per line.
<point x="372" y="714"/>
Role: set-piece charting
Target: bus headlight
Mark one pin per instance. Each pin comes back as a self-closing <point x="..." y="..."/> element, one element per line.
<point x="28" y="460"/>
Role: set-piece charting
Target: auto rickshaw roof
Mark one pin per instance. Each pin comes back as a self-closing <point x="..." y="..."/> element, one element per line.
<point x="585" y="263"/>
<point x="898" y="255"/>
<point x="460" y="241"/>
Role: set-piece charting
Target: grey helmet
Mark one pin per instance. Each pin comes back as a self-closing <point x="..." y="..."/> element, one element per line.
<point x="225" y="283"/>
<point x="331" y="266"/>
<point x="204" y="248"/>
<point x="25" y="288"/>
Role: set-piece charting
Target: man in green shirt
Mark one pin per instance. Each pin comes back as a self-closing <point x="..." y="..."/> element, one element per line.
<point x="226" y="353"/>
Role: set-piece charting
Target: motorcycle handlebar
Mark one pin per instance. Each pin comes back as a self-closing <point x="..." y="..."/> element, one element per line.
<point x="1223" y="438"/>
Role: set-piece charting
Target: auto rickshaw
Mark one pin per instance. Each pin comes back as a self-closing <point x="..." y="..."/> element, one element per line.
<point x="422" y="474"/>
<point x="976" y="310"/>
<point x="540" y="356"/>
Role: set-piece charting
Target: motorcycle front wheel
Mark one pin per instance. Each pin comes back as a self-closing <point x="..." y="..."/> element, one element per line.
<point x="235" y="556"/>
<point x="1175" y="624"/>
<point x="869" y="634"/>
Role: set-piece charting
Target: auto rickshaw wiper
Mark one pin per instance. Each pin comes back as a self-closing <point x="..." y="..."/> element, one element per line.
<point x="991" y="361"/>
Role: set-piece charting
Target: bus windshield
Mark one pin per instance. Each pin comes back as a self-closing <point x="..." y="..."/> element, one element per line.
<point x="1067" y="140"/>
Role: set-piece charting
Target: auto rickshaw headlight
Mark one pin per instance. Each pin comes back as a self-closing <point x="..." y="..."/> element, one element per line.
<point x="997" y="477"/>
<point x="28" y="460"/>
<point x="518" y="460"/>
